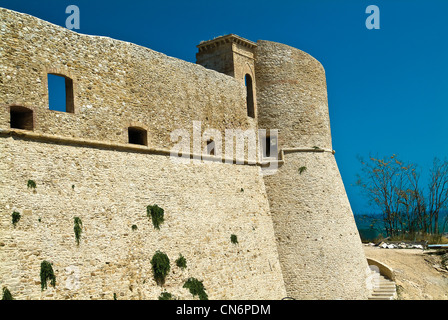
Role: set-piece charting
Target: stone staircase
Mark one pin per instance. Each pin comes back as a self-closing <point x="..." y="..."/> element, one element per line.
<point x="383" y="288"/>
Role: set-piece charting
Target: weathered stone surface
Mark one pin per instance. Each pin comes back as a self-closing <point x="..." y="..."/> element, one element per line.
<point x="116" y="85"/>
<point x="319" y="246"/>
<point x="84" y="167"/>
<point x="203" y="206"/>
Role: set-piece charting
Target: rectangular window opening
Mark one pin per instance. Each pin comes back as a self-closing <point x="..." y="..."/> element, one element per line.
<point x="138" y="136"/>
<point x="21" y="118"/>
<point x="60" y="93"/>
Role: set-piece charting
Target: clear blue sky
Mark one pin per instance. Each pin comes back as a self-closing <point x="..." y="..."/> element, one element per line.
<point x="387" y="88"/>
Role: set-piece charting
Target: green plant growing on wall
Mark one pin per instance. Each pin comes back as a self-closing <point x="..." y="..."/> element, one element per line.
<point x="115" y="296"/>
<point x="15" y="217"/>
<point x="181" y="262"/>
<point x="234" y="239"/>
<point x="46" y="273"/>
<point x="160" y="266"/>
<point x="165" y="296"/>
<point x="156" y="213"/>
<point x="31" y="184"/>
<point x="7" y="294"/>
<point x="134" y="227"/>
<point x="78" y="229"/>
<point x="196" y="288"/>
<point x="302" y="169"/>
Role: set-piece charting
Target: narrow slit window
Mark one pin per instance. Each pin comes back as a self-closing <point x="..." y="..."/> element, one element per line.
<point x="249" y="96"/>
<point x="270" y="147"/>
<point x="21" y="118"/>
<point x="211" y="147"/>
<point x="267" y="148"/>
<point x="138" y="136"/>
<point x="60" y="93"/>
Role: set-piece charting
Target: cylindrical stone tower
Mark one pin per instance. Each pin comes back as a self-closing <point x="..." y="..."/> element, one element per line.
<point x="318" y="243"/>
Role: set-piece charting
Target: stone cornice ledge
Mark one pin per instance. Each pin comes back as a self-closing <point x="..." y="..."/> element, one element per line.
<point x="144" y="149"/>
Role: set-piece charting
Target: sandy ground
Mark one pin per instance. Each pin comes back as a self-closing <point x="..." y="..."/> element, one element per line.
<point x="419" y="274"/>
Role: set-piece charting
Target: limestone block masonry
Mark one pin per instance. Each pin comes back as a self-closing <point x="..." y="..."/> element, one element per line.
<point x="319" y="245"/>
<point x="296" y="233"/>
<point x="203" y="204"/>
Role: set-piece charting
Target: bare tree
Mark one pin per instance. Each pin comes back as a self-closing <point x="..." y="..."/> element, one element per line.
<point x="395" y="189"/>
<point x="438" y="193"/>
<point x="383" y="181"/>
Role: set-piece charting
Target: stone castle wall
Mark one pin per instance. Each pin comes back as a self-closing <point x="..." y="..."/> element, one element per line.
<point x="109" y="190"/>
<point x="318" y="243"/>
<point x="292" y="95"/>
<point x="319" y="246"/>
<point x="116" y="85"/>
<point x="292" y="228"/>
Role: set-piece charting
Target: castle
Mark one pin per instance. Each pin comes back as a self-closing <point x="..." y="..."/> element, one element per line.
<point x="108" y="155"/>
